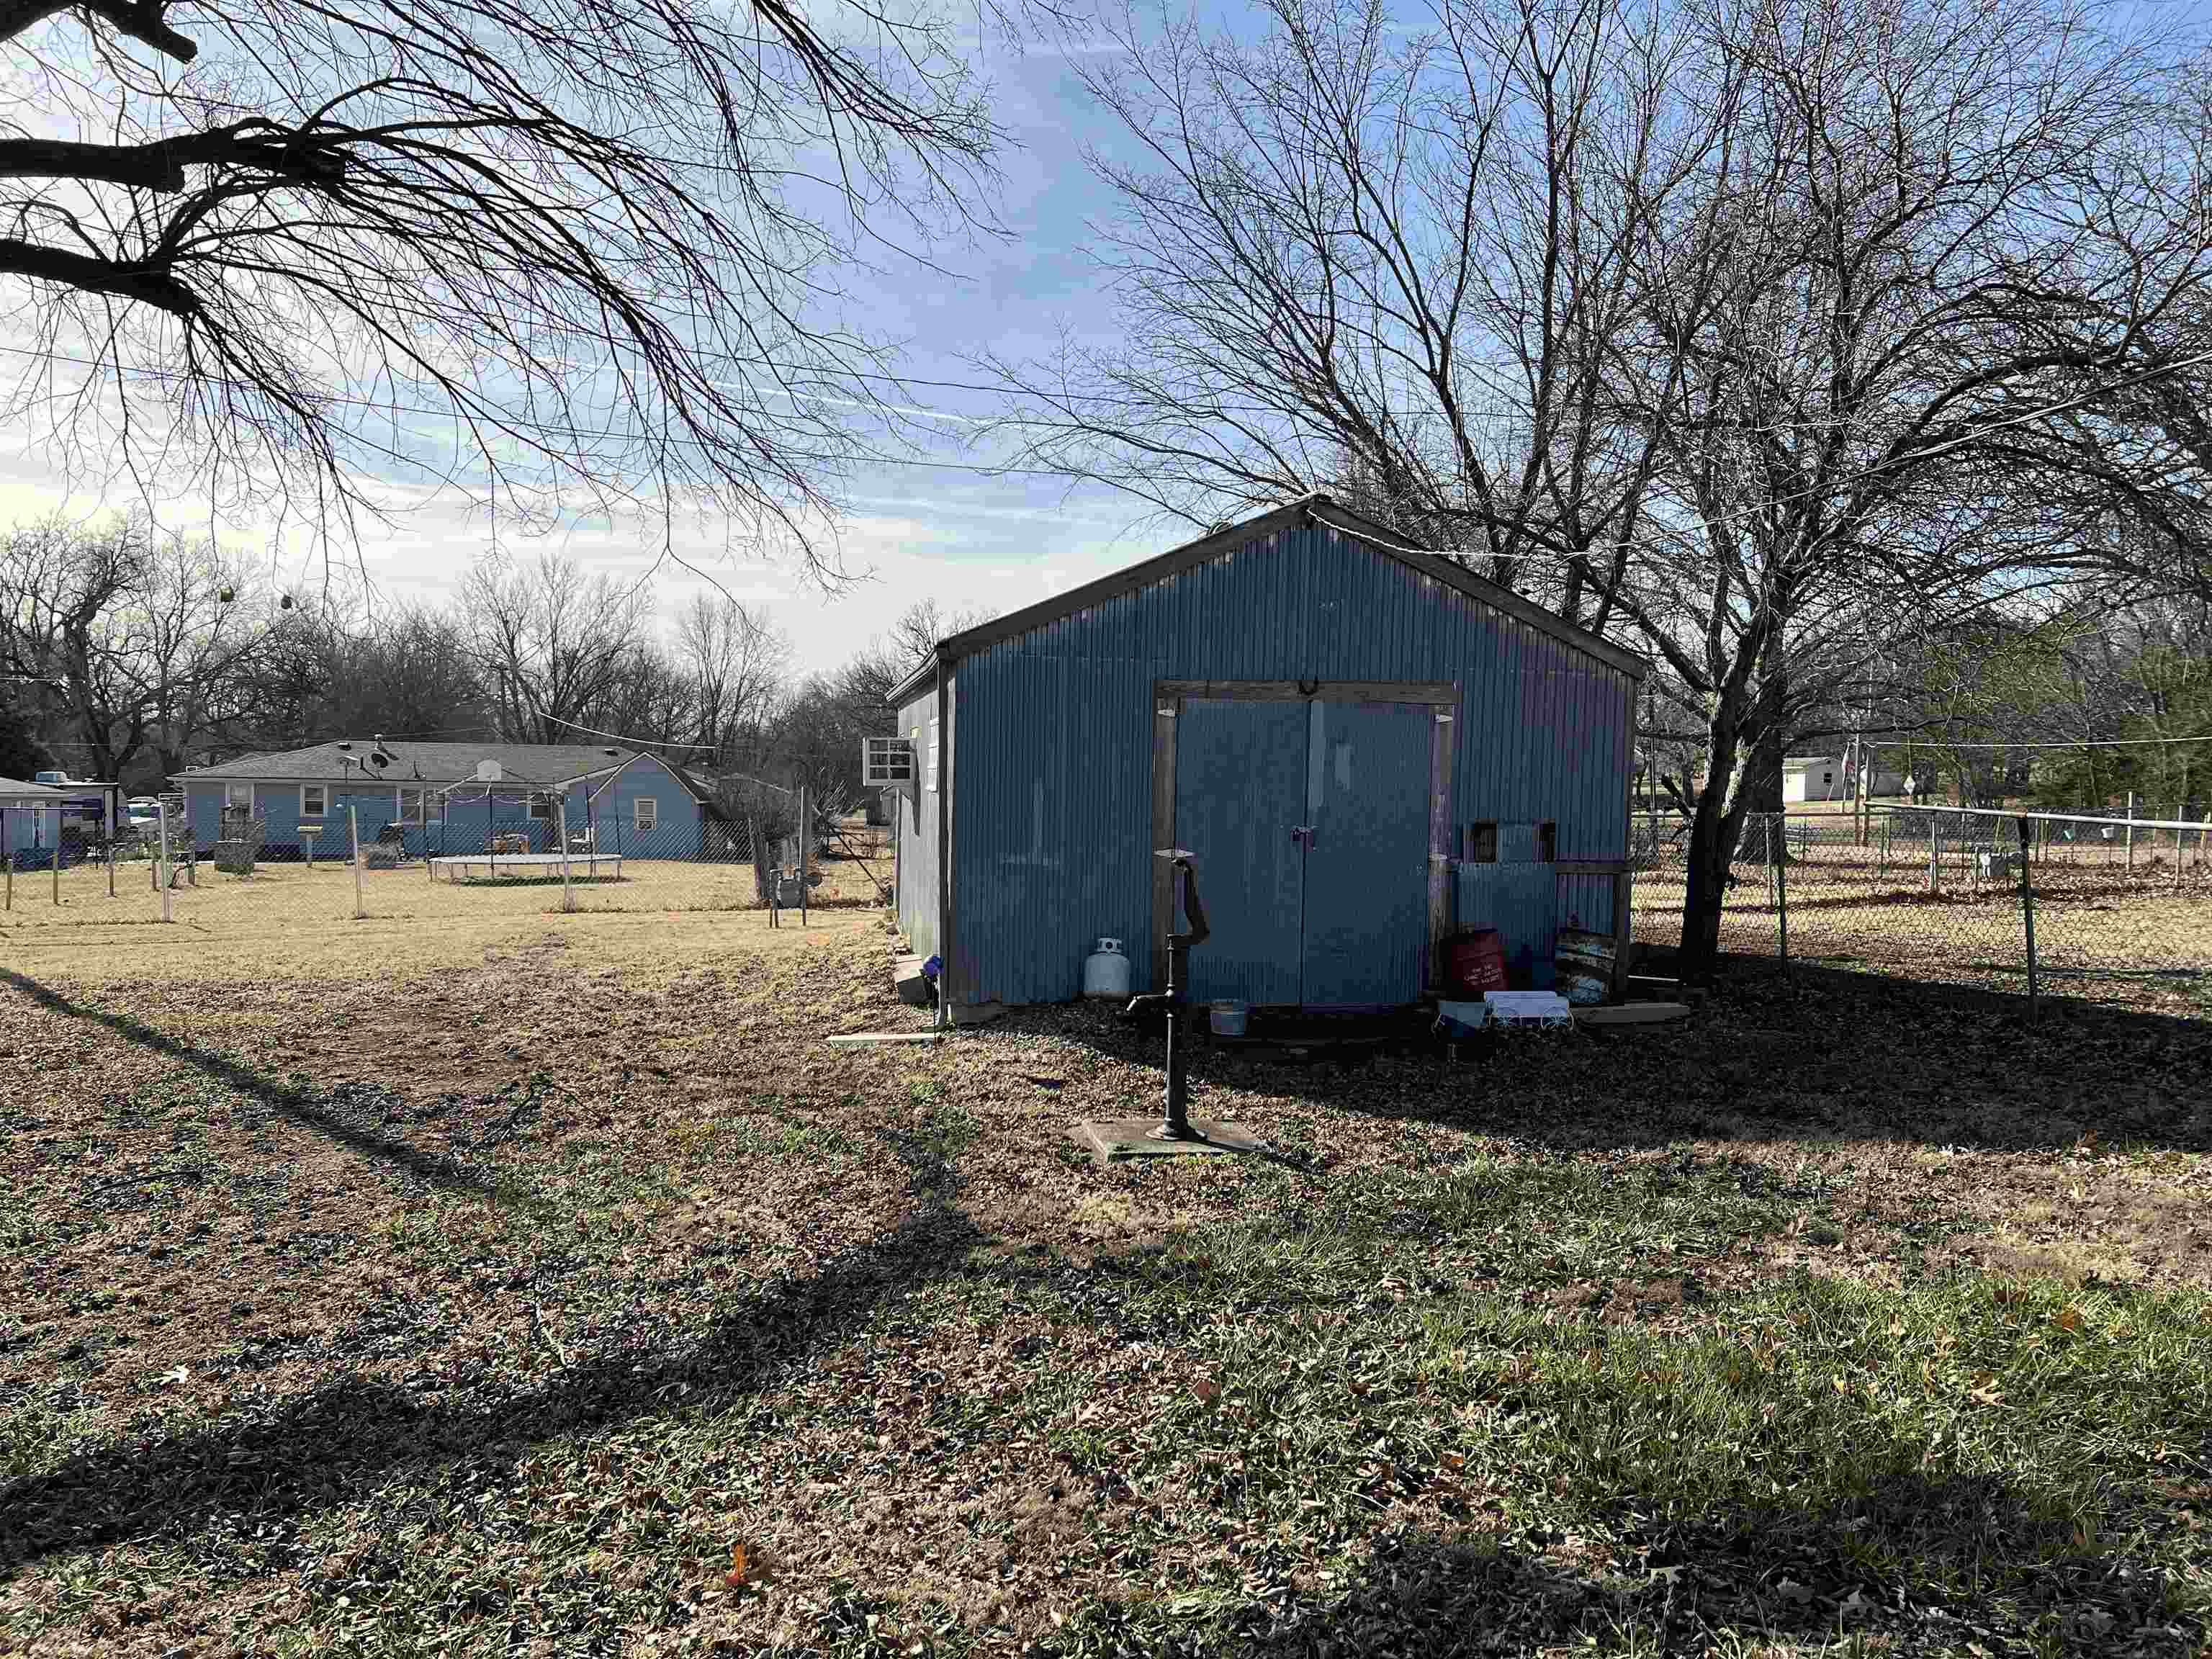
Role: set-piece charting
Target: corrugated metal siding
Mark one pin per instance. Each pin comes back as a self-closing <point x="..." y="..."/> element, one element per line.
<point x="1586" y="901"/>
<point x="1052" y="841"/>
<point x="1366" y="930"/>
<point x="1544" y="731"/>
<point x="1244" y="783"/>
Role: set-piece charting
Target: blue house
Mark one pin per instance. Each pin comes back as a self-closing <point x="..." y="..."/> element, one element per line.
<point x="1367" y="748"/>
<point x="435" y="799"/>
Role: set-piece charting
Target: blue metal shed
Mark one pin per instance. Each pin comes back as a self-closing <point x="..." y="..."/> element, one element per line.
<point x="1335" y="725"/>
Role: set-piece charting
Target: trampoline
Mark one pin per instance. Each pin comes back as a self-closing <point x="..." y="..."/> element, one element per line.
<point x="582" y="866"/>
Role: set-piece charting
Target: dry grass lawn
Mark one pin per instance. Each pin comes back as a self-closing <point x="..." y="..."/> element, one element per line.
<point x="521" y="1282"/>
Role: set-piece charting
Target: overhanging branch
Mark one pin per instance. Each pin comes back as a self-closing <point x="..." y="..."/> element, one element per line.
<point x="152" y="285"/>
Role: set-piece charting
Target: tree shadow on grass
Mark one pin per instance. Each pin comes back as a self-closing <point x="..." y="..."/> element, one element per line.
<point x="305" y="1107"/>
<point x="1712" y="1587"/>
<point x="1821" y="1055"/>
<point x="321" y="1449"/>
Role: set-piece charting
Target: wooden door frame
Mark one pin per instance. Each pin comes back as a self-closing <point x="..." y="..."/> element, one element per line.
<point x="1442" y="697"/>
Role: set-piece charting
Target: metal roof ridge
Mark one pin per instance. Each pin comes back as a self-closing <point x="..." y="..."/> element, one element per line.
<point x="1318" y="506"/>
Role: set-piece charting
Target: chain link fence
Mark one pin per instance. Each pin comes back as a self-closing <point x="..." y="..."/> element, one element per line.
<point x="241" y="878"/>
<point x="2118" y="910"/>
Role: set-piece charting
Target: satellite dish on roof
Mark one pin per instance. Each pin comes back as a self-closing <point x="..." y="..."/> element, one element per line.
<point x="488" y="772"/>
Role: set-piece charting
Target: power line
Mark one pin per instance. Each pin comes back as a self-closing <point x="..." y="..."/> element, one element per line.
<point x="608" y="433"/>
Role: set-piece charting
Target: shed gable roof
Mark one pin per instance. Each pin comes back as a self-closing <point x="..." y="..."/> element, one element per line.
<point x="1323" y="510"/>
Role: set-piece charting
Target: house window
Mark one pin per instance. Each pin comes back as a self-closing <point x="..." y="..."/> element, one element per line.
<point x="408" y="803"/>
<point x="541" y="808"/>
<point x="1482" y="842"/>
<point x="314" y="801"/>
<point x="238" y="796"/>
<point x="648" y="814"/>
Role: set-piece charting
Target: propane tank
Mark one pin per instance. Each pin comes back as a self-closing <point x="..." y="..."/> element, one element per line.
<point x="1106" y="970"/>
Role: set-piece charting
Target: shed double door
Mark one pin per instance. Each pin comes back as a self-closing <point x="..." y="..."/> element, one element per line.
<point x="1308" y="823"/>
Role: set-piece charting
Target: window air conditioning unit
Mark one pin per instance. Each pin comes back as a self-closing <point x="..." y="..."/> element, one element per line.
<point x="888" y="763"/>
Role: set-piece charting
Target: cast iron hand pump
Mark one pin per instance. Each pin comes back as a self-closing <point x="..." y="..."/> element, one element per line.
<point x="1175" y="1125"/>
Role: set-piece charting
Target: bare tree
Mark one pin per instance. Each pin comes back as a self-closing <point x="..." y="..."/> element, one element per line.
<point x="60" y="588"/>
<point x="735" y="660"/>
<point x="1734" y="327"/>
<point x="866" y="680"/>
<point x="564" y="256"/>
<point x="1395" y="262"/>
<point x="407" y="672"/>
<point x="138" y="637"/>
<point x="553" y="645"/>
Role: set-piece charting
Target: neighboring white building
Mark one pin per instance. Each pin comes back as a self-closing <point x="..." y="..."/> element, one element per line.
<point x="1828" y="777"/>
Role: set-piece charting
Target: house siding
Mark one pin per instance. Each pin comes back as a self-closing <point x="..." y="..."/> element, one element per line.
<point x="1052" y="818"/>
<point x="469" y="820"/>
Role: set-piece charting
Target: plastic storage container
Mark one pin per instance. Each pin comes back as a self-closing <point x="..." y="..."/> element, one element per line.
<point x="1458" y="1019"/>
<point x="1106" y="971"/>
<point x="1229" y="1017"/>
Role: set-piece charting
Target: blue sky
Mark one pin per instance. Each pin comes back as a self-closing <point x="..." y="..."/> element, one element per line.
<point x="925" y="524"/>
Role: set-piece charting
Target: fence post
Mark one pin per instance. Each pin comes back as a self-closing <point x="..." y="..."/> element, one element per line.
<point x="162" y="811"/>
<point x="2131" y="835"/>
<point x="54" y="855"/>
<point x="2028" y="916"/>
<point x="805" y="852"/>
<point x="353" y="826"/>
<point x="1782" y="898"/>
<point x="568" y="892"/>
<point x="8" y="855"/>
<point x="1934" y="854"/>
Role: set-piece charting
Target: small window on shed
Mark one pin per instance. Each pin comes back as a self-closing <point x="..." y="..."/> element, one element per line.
<point x="1548" y="843"/>
<point x="1482" y="842"/>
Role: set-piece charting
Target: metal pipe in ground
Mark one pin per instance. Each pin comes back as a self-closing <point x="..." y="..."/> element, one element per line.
<point x="162" y="811"/>
<point x="568" y="892"/>
<point x="353" y="825"/>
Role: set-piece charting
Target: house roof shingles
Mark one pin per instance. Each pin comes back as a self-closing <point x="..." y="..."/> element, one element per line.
<point x="419" y="763"/>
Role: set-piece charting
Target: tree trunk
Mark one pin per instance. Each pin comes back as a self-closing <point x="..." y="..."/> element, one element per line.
<point x="1709" y="856"/>
<point x="1714" y="824"/>
<point x="1762" y="790"/>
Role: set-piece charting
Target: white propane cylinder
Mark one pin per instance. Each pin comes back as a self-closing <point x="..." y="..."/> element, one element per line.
<point x="1106" y="970"/>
